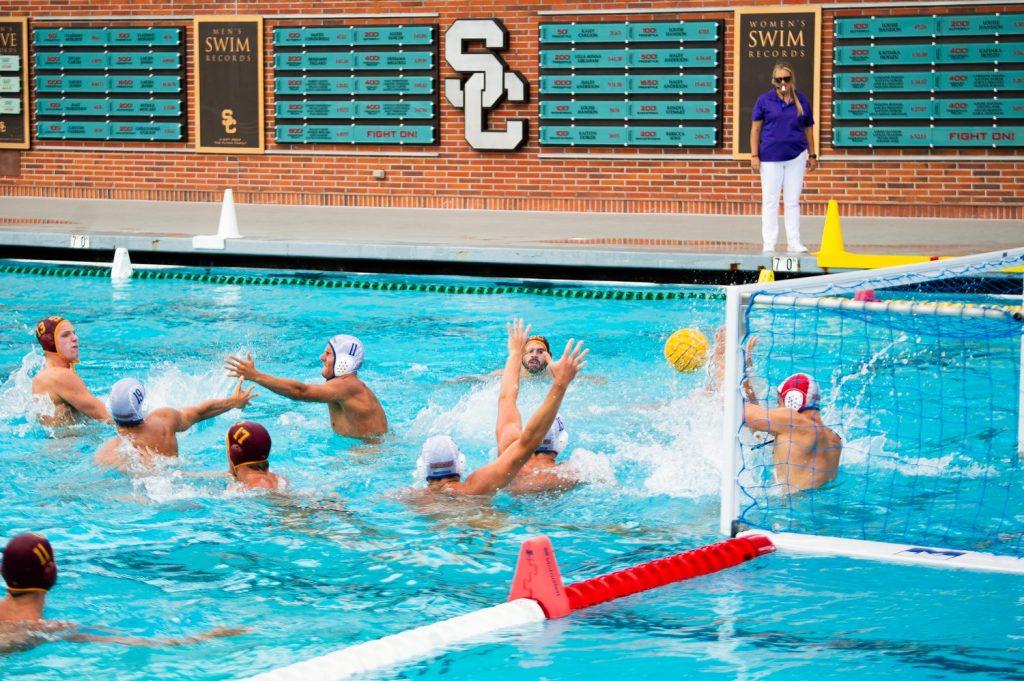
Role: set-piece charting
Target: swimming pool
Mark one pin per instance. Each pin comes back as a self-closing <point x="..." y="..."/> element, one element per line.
<point x="171" y="555"/>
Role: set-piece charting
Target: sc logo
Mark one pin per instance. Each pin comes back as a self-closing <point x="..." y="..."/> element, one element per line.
<point x="489" y="82"/>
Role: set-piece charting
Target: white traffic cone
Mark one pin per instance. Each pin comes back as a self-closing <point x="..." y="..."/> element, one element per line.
<point x="121" y="269"/>
<point x="228" y="226"/>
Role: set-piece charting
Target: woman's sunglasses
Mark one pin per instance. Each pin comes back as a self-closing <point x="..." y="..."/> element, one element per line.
<point x="783" y="79"/>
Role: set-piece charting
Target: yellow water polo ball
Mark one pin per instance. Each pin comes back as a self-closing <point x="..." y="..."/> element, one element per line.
<point x="687" y="350"/>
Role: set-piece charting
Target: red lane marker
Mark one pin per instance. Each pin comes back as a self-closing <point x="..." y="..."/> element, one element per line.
<point x="537" y="575"/>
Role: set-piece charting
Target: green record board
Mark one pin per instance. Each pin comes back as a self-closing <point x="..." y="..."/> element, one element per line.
<point x="937" y="26"/>
<point x="352" y="36"/>
<point x="984" y="24"/>
<point x="608" y="32"/>
<point x="911" y="136"/>
<point x="355" y="134"/>
<point x="970" y="71"/>
<point x="111" y="83"/>
<point x="628" y="136"/>
<point x="645" y="110"/>
<point x="353" y="61"/>
<point x="622" y="85"/>
<point x="860" y="55"/>
<point x="106" y="37"/>
<point x="914" y="81"/>
<point x="78" y="106"/>
<point x="636" y="58"/>
<point x="371" y="78"/>
<point x="995" y="109"/>
<point x="865" y="109"/>
<point x="142" y="132"/>
<point x="634" y="78"/>
<point x="418" y="109"/>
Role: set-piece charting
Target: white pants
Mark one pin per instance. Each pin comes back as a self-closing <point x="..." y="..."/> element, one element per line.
<point x="786" y="177"/>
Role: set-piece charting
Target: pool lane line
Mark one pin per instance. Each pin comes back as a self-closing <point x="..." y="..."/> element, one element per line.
<point x="538" y="593"/>
<point x="265" y="280"/>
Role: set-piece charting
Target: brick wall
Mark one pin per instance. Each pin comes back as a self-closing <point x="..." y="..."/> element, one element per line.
<point x="950" y="183"/>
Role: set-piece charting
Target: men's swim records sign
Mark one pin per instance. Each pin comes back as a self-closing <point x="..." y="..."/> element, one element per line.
<point x="765" y="37"/>
<point x="14" y="124"/>
<point x="229" y="84"/>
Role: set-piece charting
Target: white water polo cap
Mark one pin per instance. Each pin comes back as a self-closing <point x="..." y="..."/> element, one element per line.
<point x="556" y="439"/>
<point x="125" y="402"/>
<point x="348" y="354"/>
<point x="440" y="458"/>
<point x="800" y="391"/>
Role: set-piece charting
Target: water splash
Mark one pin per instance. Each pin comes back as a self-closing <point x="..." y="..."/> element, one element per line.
<point x="670" y="448"/>
<point x="19" y="408"/>
<point x="169" y="386"/>
<point x="470" y="421"/>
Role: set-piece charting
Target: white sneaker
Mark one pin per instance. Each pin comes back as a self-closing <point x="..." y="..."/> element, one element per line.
<point x="797" y="248"/>
<point x="768" y="249"/>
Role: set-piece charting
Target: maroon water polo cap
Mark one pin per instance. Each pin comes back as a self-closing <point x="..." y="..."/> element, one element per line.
<point x="248" y="443"/>
<point x="28" y="564"/>
<point x="46" y="332"/>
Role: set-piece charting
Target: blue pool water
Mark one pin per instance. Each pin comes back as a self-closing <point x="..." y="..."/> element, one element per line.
<point x="345" y="560"/>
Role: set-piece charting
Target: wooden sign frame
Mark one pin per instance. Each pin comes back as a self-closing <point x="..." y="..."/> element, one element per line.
<point x="218" y="93"/>
<point x="738" y="129"/>
<point x="26" y="141"/>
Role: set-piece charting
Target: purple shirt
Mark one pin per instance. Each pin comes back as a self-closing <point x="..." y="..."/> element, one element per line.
<point x="782" y="133"/>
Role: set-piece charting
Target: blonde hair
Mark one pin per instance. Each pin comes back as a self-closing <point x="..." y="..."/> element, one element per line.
<point x="783" y="66"/>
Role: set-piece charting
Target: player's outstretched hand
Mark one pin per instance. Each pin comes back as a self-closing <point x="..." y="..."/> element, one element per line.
<point x="517" y="336"/>
<point x="573" y="359"/>
<point x="240" y="368"/>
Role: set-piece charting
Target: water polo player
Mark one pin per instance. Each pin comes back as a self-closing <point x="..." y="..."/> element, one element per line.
<point x="354" y="409"/>
<point x="542" y="472"/>
<point x="806" y="452"/>
<point x="248" y="449"/>
<point x="536" y="355"/>
<point x="58" y="380"/>
<point x="442" y="464"/>
<point x="29" y="569"/>
<point x="156" y="434"/>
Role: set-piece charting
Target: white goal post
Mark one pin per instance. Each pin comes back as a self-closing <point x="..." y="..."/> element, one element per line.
<point x="938" y="330"/>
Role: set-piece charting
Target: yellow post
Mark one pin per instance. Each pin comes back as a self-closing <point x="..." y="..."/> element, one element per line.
<point x="765" y="276"/>
<point x="832" y="235"/>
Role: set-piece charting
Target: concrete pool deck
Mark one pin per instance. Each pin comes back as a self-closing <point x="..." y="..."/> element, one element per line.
<point x="604" y="242"/>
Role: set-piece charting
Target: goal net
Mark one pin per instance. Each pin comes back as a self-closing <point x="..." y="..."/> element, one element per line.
<point x="913" y="439"/>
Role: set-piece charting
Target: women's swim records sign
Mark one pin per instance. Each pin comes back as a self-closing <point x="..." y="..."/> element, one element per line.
<point x="765" y="37"/>
<point x="229" y="84"/>
<point x="14" y="124"/>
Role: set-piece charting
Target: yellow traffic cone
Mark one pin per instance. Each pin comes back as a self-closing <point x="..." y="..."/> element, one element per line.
<point x="832" y="235"/>
<point x="765" y="276"/>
